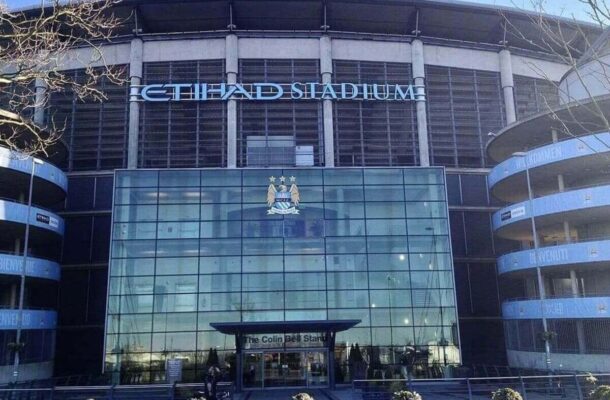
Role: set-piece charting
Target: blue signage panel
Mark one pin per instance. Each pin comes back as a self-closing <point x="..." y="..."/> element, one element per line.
<point x="569" y="149"/>
<point x="34" y="267"/>
<point x="567" y="254"/>
<point x="16" y="212"/>
<point x="32" y="319"/>
<point x="587" y="307"/>
<point x="23" y="164"/>
<point x="553" y="204"/>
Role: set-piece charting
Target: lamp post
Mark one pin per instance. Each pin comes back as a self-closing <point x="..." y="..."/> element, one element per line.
<point x="541" y="286"/>
<point x="18" y="344"/>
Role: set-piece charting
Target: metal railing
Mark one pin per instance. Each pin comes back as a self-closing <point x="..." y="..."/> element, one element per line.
<point x="546" y="387"/>
<point x="179" y="391"/>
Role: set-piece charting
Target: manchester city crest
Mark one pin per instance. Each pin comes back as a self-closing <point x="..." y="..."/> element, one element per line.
<point x="281" y="199"/>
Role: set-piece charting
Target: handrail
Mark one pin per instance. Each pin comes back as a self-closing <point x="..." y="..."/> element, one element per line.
<point x="484" y="379"/>
<point x="560" y="296"/>
<point x="25" y="204"/>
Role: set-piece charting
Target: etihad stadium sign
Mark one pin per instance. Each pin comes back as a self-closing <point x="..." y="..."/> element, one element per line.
<point x="166" y="92"/>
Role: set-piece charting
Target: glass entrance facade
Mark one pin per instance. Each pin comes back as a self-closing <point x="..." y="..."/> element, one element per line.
<point x="194" y="247"/>
<point x="270" y="369"/>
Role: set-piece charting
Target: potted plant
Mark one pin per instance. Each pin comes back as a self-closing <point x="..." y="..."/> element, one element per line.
<point x="406" y="395"/>
<point x="302" y="396"/>
<point x="506" y="394"/>
<point x="600" y="393"/>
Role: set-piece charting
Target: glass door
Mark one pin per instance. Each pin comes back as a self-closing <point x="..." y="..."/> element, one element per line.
<point x="273" y="370"/>
<point x="295" y="369"/>
<point x="253" y="370"/>
<point x="292" y="369"/>
<point x="317" y="368"/>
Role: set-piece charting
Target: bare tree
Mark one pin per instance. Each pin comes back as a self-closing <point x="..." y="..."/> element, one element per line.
<point x="34" y="44"/>
<point x="571" y="42"/>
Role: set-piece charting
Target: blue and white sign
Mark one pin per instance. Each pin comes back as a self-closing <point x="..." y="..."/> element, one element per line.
<point x="32" y="319"/>
<point x="163" y="92"/>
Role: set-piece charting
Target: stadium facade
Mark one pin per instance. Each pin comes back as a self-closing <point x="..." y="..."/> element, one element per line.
<point x="552" y="172"/>
<point x="282" y="180"/>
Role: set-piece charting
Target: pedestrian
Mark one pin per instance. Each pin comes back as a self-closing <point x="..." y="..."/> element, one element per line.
<point x="213" y="377"/>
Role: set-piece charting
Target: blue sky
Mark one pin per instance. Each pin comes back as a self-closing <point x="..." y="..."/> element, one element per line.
<point x="565" y="8"/>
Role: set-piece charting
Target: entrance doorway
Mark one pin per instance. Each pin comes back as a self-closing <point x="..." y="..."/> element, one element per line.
<point x="294" y="368"/>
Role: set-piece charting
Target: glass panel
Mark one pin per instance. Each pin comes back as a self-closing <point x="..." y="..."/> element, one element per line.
<point x="220" y="178"/>
<point x="342" y="177"/>
<point x="344" y="210"/>
<point x="179" y="195"/>
<point x="178" y="178"/>
<point x="317" y="369"/>
<point x="388" y="262"/>
<point x="384" y="193"/>
<point x="304" y="263"/>
<point x="263" y="263"/>
<point x="253" y="370"/>
<point x="215" y="265"/>
<point x="296" y="299"/>
<point x="424" y="192"/>
<point x="424" y="176"/>
<point x="343" y="193"/>
<point x="348" y="262"/>
<point x="382" y="176"/>
<point x="385" y="210"/>
<point x="177" y="266"/>
<point x="179" y="212"/>
<point x="136" y="196"/>
<point x="426" y="209"/>
<point x="427" y="227"/>
<point x="383" y="227"/>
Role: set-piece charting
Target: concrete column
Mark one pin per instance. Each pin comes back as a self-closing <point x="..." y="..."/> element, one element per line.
<point x="566" y="231"/>
<point x="580" y="331"/>
<point x="231" y="69"/>
<point x="506" y="79"/>
<point x="419" y="78"/>
<point x="41" y="101"/>
<point x="13" y="296"/>
<point x="326" y="69"/>
<point x="574" y="282"/>
<point x="135" y="79"/>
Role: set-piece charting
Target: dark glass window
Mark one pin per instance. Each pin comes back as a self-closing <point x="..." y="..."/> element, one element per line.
<point x="80" y="195"/>
<point x="478" y="234"/>
<point x="534" y="95"/>
<point x="463" y="107"/>
<point x="566" y="338"/>
<point x="458" y="236"/>
<point x="594" y="342"/>
<point x="474" y="189"/>
<point x="454" y="195"/>
<point x="74" y="287"/>
<point x="374" y="133"/>
<point x="100" y="245"/>
<point x="280" y="132"/>
<point x="103" y="192"/>
<point x="96" y="132"/>
<point x="77" y="240"/>
<point x="186" y="133"/>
